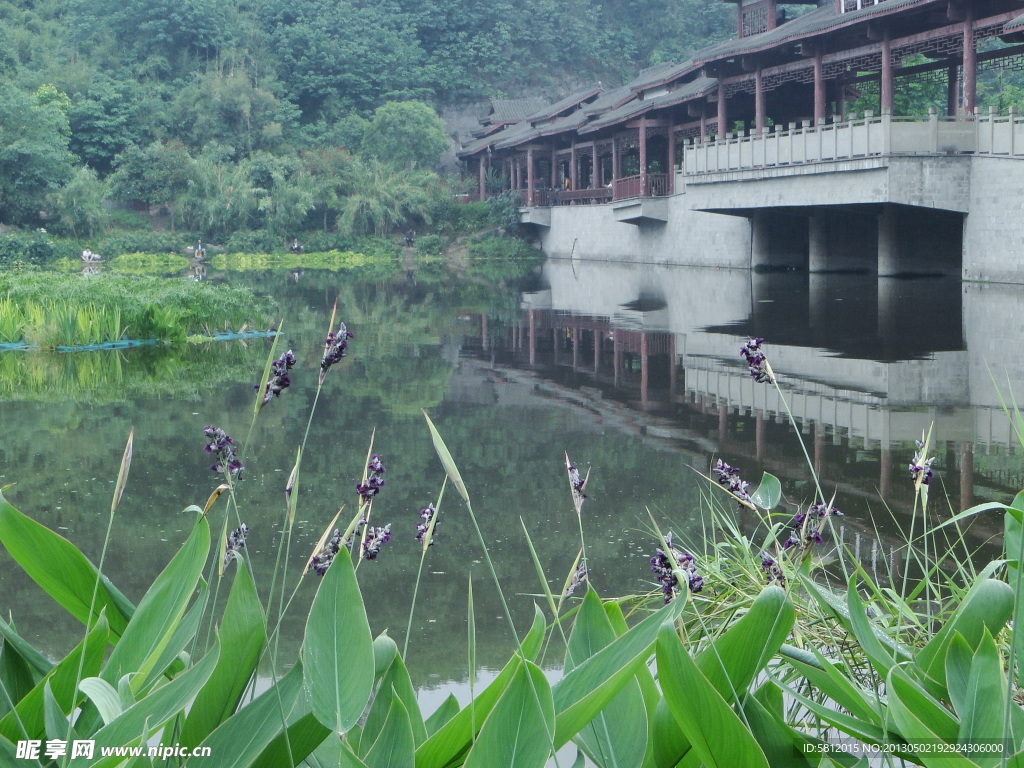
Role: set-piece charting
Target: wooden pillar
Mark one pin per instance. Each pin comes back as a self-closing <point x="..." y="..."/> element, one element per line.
<point x="966" y="475"/>
<point x="819" y="86"/>
<point x="758" y="102"/>
<point x="614" y="159"/>
<point x="483" y="331"/>
<point x="595" y="182"/>
<point x="970" y="65"/>
<point x="703" y="128"/>
<point x="644" y="369"/>
<point x="554" y="167"/>
<point x="483" y="177"/>
<point x="953" y="91"/>
<point x="722" y="117"/>
<point x="572" y="166"/>
<point x="759" y="435"/>
<point x="597" y="351"/>
<point x="885" y="107"/>
<point x="529" y="176"/>
<point x="575" y="348"/>
<point x="671" y="159"/>
<point x="643" y="156"/>
<point x="533" y="338"/>
<point x="673" y="367"/>
<point x="554" y="343"/>
<point x="616" y="357"/>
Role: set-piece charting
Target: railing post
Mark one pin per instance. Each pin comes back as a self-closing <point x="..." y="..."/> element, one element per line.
<point x="868" y="116"/>
<point x="886" y="133"/>
<point x="992" y="112"/>
<point x="1013" y="128"/>
<point x="933" y="124"/>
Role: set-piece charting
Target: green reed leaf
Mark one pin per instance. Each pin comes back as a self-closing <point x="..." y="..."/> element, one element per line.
<point x="980" y="696"/>
<point x="449" y="708"/>
<point x="28" y="713"/>
<point x="922" y="719"/>
<point x="588" y="688"/>
<point x="515" y="735"/>
<point x="103" y="696"/>
<point x="240" y="739"/>
<point x="60" y="568"/>
<point x="393" y="747"/>
<point x="242" y="634"/>
<point x="302" y="737"/>
<point x="152" y="712"/>
<point x="160" y="611"/>
<point x="446" y="459"/>
<point x="718" y="736"/>
<point x="617" y="736"/>
<point x="337" y="649"/>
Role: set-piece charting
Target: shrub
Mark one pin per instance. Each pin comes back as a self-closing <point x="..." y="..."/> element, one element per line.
<point x="257" y="241"/>
<point x="33" y="247"/>
<point x="141" y="242"/>
<point x="430" y="245"/>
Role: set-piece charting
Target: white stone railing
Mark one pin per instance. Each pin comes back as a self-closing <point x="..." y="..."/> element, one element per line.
<point x="868" y="136"/>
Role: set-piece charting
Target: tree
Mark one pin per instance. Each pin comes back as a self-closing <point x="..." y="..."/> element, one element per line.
<point x="77" y="208"/>
<point x="155" y="175"/>
<point x="380" y="197"/>
<point x="405" y="134"/>
<point x="34" y="156"/>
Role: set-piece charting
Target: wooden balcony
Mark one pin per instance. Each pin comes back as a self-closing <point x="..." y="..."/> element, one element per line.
<point x="649" y="185"/>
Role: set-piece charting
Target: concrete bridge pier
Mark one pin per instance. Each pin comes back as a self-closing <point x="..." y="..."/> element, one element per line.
<point x="888" y="242"/>
<point x="817" y="237"/>
<point x="760" y="239"/>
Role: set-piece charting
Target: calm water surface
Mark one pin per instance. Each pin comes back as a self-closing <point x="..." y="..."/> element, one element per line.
<point x="631" y="369"/>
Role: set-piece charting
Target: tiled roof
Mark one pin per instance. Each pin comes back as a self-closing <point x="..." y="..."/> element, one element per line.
<point x="511" y="110"/>
<point x="608" y="100"/>
<point x="568" y="102"/>
<point x="1015" y="25"/>
<point x="570" y="122"/>
<point x="811" y="23"/>
<point x="660" y="74"/>
<point x="686" y="92"/>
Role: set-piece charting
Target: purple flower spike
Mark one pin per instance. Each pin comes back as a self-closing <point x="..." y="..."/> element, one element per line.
<point x="758" y="363"/>
<point x="426" y="515"/>
<point x="279" y="380"/>
<point x="322" y="560"/>
<point x="334" y="348"/>
<point x="921" y="467"/>
<point x="374" y="481"/>
<point x="578" y="579"/>
<point x="236" y="543"/>
<point x="223" y="447"/>
<point x="661" y="565"/>
<point x="730" y="478"/>
<point x="375" y="539"/>
<point x="772" y="570"/>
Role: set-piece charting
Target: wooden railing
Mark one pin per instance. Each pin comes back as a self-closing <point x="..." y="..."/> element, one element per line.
<point x="649" y="185"/>
<point x="868" y="136"/>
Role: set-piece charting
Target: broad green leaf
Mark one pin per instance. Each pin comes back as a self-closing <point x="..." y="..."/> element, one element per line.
<point x="242" y="634"/>
<point x="779" y="742"/>
<point x="617" y="736"/>
<point x="883" y="645"/>
<point x="16" y="678"/>
<point x="395" y="682"/>
<point x="384" y="651"/>
<point x="169" y="662"/>
<point x="717" y="735"/>
<point x="38" y="664"/>
<point x="159" y="612"/>
<point x="240" y="739"/>
<point x="62" y="678"/>
<point x="981" y="703"/>
<point x="921" y="719"/>
<point x="393" y="747"/>
<point x="8" y="756"/>
<point x="517" y="733"/>
<point x="56" y="721"/>
<point x="987" y="606"/>
<point x="337" y="650"/>
<point x="449" y="708"/>
<point x="64" y="573"/>
<point x="151" y="712"/>
<point x="867" y="732"/>
<point x="669" y="741"/>
<point x="446" y="460"/>
<point x="768" y="493"/>
<point x="305" y="734"/>
<point x="103" y="696"/>
<point x="838" y="685"/>
<point x="585" y="691"/>
<point x="732" y="661"/>
<point x="454" y="737"/>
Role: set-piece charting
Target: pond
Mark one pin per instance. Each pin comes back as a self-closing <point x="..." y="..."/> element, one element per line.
<point x="633" y="370"/>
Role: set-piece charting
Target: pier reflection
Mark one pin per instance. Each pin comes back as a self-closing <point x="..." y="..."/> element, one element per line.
<point x="868" y="365"/>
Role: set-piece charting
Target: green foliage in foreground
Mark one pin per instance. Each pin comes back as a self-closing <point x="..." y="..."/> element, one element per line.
<point x="743" y="674"/>
<point x="51" y="310"/>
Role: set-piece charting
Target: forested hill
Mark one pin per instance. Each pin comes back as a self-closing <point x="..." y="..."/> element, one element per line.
<point x="95" y="83"/>
<point x="244" y="72"/>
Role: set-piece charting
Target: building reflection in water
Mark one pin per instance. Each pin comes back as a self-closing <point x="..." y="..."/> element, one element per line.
<point x="868" y="365"/>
